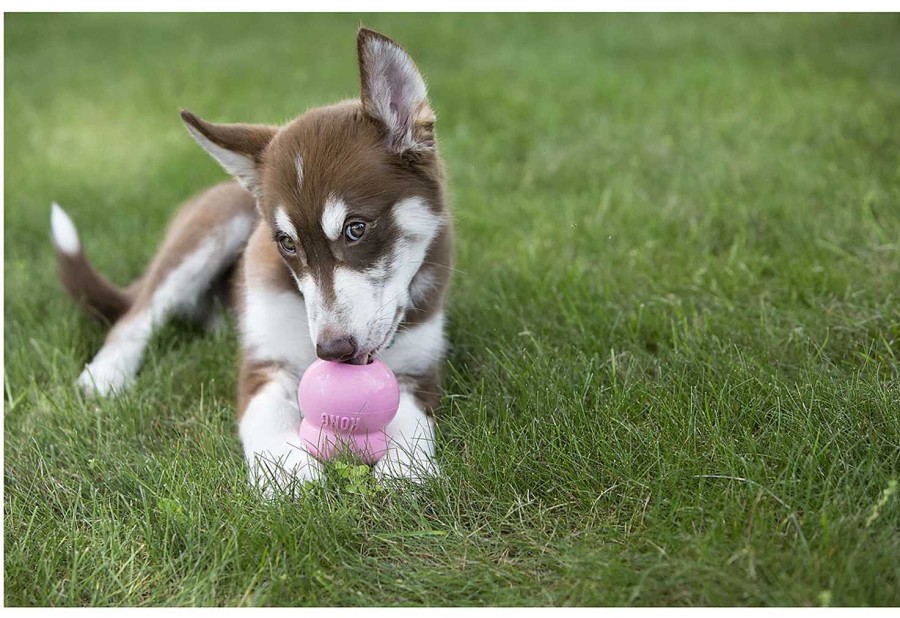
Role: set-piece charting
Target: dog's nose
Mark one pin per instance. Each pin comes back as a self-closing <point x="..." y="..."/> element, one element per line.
<point x="336" y="349"/>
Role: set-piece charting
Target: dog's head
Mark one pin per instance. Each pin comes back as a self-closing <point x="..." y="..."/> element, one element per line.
<point x="353" y="196"/>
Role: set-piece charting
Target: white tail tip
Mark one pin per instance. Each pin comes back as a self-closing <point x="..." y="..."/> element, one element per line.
<point x="65" y="236"/>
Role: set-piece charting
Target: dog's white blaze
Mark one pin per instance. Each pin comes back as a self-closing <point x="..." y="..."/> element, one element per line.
<point x="65" y="236"/>
<point x="269" y="431"/>
<point x="241" y="167"/>
<point x="314" y="305"/>
<point x="299" y="165"/>
<point x="117" y="362"/>
<point x="360" y="307"/>
<point x="418" y="347"/>
<point x="284" y="224"/>
<point x="272" y="327"/>
<point x="410" y="452"/>
<point x="333" y="216"/>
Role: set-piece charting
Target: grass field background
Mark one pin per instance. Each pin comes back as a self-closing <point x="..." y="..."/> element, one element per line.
<point x="675" y="365"/>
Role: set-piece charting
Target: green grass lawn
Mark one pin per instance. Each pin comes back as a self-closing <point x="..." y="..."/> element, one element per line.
<point x="675" y="365"/>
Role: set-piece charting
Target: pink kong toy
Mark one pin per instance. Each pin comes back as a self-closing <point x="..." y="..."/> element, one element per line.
<point x="347" y="407"/>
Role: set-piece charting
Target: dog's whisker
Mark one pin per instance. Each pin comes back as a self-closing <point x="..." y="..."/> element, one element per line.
<point x="445" y="267"/>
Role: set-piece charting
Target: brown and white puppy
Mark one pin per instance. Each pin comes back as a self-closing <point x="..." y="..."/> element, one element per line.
<point x="336" y="244"/>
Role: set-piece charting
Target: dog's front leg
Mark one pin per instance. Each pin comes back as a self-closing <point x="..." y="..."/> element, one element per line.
<point x="269" y="429"/>
<point x="410" y="452"/>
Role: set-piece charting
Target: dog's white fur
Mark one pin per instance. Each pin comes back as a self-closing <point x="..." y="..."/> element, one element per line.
<point x="269" y="329"/>
<point x="411" y="444"/>
<point x="284" y="223"/>
<point x="269" y="431"/>
<point x="418" y="346"/>
<point x="65" y="236"/>
<point x="298" y="165"/>
<point x="333" y="216"/>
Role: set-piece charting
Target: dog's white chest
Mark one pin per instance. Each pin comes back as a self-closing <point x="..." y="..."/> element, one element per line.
<point x="274" y="327"/>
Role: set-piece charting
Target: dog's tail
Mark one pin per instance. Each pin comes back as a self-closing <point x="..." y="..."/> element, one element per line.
<point x="92" y="291"/>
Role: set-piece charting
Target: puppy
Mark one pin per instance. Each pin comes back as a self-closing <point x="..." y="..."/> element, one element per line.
<point x="335" y="241"/>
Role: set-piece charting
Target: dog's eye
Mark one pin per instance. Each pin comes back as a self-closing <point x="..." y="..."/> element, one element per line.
<point x="287" y="244"/>
<point x="354" y="230"/>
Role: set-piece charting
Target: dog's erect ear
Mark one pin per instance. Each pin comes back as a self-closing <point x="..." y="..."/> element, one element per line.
<point x="393" y="93"/>
<point x="237" y="147"/>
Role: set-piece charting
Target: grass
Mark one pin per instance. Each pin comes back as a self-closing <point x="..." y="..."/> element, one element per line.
<point x="674" y="376"/>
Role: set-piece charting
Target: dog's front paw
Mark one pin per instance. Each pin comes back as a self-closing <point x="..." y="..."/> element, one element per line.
<point x="282" y="469"/>
<point x="417" y="465"/>
<point x="103" y="379"/>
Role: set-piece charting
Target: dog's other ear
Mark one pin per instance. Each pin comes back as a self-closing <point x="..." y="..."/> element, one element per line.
<point x="237" y="147"/>
<point x="393" y="93"/>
